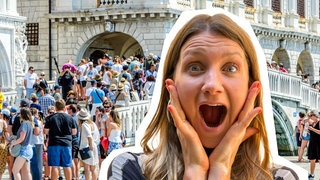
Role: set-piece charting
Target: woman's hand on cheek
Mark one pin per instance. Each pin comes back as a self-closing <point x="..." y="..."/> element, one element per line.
<point x="196" y="161"/>
<point x="222" y="158"/>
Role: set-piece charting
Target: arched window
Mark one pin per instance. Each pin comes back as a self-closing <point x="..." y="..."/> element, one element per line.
<point x="248" y="3"/>
<point x="276" y="6"/>
<point x="300" y="8"/>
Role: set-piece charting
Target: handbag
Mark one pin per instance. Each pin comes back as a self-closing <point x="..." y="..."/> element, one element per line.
<point x="85" y="153"/>
<point x="15" y="151"/>
<point x="104" y="143"/>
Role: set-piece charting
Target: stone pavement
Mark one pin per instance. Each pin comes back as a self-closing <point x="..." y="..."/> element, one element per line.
<point x="305" y="165"/>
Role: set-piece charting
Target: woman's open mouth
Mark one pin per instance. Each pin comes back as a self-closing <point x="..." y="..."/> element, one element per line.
<point x="213" y="114"/>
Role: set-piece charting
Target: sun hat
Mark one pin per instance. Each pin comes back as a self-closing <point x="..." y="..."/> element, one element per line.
<point x="115" y="74"/>
<point x="120" y="86"/>
<point x="98" y="77"/>
<point x="122" y="79"/>
<point x="113" y="87"/>
<point x="83" y="115"/>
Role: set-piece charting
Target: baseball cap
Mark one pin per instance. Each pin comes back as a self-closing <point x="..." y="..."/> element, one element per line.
<point x="13" y="109"/>
<point x="6" y="112"/>
<point x="5" y="104"/>
<point x="90" y="64"/>
<point x="93" y="82"/>
<point x="56" y="87"/>
<point x="24" y="102"/>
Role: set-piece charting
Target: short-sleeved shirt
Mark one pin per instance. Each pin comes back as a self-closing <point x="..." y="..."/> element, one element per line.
<point x="31" y="79"/>
<point x="97" y="96"/>
<point x="27" y="128"/>
<point x="91" y="73"/>
<point x="15" y="123"/>
<point x="60" y="127"/>
<point x="81" y="69"/>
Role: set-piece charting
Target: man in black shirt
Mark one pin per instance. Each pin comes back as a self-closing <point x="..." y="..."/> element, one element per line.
<point x="60" y="127"/>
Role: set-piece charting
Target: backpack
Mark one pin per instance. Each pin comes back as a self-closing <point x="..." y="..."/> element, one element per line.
<point x="136" y="84"/>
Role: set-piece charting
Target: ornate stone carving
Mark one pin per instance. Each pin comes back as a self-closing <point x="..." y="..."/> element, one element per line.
<point x="20" y="54"/>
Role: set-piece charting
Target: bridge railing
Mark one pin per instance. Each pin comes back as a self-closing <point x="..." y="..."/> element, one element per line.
<point x="290" y="87"/>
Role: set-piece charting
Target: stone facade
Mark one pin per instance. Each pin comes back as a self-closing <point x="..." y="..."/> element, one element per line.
<point x="13" y="46"/>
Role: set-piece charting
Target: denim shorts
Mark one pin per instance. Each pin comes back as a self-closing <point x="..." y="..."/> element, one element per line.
<point x="60" y="156"/>
<point x="307" y="137"/>
<point x="26" y="152"/>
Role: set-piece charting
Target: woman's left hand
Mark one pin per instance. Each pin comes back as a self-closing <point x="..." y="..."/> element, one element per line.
<point x="222" y="158"/>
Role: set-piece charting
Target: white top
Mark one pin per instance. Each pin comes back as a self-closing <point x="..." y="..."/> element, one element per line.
<point x="115" y="136"/>
<point x="91" y="73"/>
<point x="305" y="131"/>
<point x="149" y="87"/>
<point x="85" y="133"/>
<point x="117" y="67"/>
<point x="81" y="69"/>
<point x="106" y="78"/>
<point x="31" y="79"/>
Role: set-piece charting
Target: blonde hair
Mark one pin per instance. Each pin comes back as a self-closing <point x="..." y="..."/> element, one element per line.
<point x="166" y="161"/>
<point x="115" y="116"/>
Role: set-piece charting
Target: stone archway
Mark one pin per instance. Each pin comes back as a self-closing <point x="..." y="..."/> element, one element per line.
<point x="5" y="70"/>
<point x="305" y="65"/>
<point x="114" y="43"/>
<point x="284" y="130"/>
<point x="281" y="56"/>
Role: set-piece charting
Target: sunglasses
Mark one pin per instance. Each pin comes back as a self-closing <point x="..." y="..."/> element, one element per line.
<point x="51" y="112"/>
<point x="41" y="74"/>
<point x="106" y="106"/>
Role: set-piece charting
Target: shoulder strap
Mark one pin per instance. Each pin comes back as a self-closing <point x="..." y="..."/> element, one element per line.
<point x="151" y="86"/>
<point x="118" y="95"/>
<point x="98" y="95"/>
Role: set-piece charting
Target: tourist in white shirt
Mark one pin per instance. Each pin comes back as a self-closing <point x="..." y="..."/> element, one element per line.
<point x="91" y="72"/>
<point x="30" y="79"/>
<point x="82" y="73"/>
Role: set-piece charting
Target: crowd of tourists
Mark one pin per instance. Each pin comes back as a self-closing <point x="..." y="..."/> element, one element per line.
<point x="308" y="139"/>
<point x="76" y="124"/>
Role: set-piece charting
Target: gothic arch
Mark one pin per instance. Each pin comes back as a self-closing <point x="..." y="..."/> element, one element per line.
<point x="5" y="70"/>
<point x="281" y="56"/>
<point x="284" y="130"/>
<point x="305" y="64"/>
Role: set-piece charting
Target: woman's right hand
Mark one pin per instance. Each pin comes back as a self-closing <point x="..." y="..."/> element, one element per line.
<point x="196" y="161"/>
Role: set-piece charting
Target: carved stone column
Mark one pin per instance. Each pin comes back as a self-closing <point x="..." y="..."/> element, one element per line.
<point x="20" y="61"/>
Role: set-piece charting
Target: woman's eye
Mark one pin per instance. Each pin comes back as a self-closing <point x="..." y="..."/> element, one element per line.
<point x="231" y="68"/>
<point x="194" y="68"/>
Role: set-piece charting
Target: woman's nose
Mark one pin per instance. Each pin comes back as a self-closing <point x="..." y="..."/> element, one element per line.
<point x="212" y="83"/>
